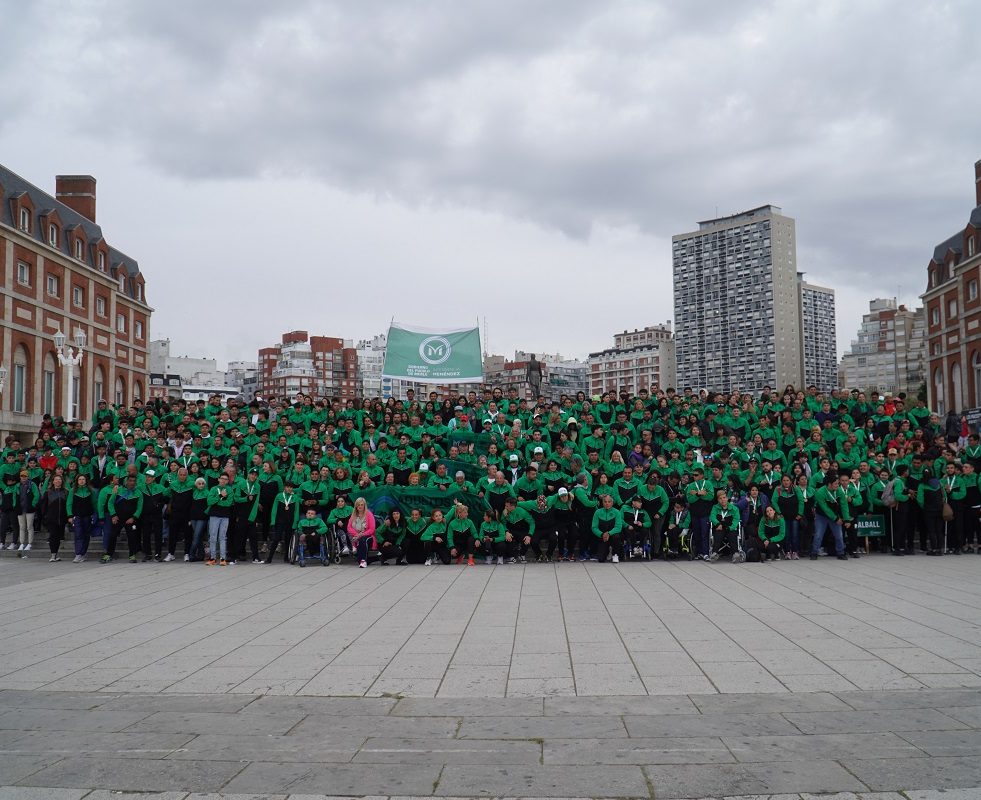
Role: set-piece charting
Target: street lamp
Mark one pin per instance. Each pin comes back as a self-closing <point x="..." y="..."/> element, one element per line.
<point x="70" y="359"/>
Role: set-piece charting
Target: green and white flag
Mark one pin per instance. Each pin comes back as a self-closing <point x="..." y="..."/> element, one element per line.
<point x="433" y="356"/>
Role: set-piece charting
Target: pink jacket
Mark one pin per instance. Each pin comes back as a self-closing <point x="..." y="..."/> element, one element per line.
<point x="369" y="528"/>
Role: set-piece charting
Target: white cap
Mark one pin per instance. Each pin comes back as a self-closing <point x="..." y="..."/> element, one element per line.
<point x="563" y="492"/>
<point x="538" y="450"/>
<point x="513" y="458"/>
<point x="424" y="467"/>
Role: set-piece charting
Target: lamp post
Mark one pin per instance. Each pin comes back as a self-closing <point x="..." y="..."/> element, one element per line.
<point x="69" y="359"/>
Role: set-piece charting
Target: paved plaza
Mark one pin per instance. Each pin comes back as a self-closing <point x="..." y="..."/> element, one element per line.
<point x="681" y="680"/>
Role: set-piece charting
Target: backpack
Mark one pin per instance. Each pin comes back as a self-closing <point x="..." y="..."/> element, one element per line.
<point x="889" y="494"/>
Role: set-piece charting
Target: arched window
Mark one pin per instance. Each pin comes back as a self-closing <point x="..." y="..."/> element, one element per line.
<point x="957" y="386"/>
<point x="137" y="390"/>
<point x="48" y="385"/>
<point x="20" y="378"/>
<point x="120" y="395"/>
<point x="938" y="390"/>
<point x="98" y="386"/>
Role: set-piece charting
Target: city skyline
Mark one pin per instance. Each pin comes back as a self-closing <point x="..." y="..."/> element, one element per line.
<point x="478" y="152"/>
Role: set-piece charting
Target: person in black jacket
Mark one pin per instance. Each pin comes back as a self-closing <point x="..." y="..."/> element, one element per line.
<point x="54" y="514"/>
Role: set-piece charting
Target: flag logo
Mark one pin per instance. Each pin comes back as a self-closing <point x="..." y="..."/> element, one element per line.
<point x="435" y="350"/>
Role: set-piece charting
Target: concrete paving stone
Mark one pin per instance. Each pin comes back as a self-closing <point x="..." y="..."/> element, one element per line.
<point x="104" y="794"/>
<point x="922" y="698"/>
<point x="122" y="745"/>
<point x="719" y="649"/>
<point x="969" y="715"/>
<point x="77" y="701"/>
<point x="679" y="684"/>
<point x="336" y="779"/>
<point x="852" y="796"/>
<point x="270" y="686"/>
<point x="790" y="662"/>
<point x="474" y="681"/>
<point x="469" y="706"/>
<point x="364" y="727"/>
<point x="832" y="747"/>
<point x="561" y="727"/>
<point x="741" y="677"/>
<point x="30" y="719"/>
<point x="688" y="725"/>
<point x="591" y="634"/>
<point x="668" y="664"/>
<point x="914" y="719"/>
<point x="915" y="659"/>
<point x="946" y="794"/>
<point x="542" y="781"/>
<point x="607" y="679"/>
<point x="244" y="747"/>
<point x="136" y="775"/>
<point x="598" y="653"/>
<point x="211" y="703"/>
<point x="599" y="706"/>
<point x="876" y="675"/>
<point x="207" y="722"/>
<point x="326" y="706"/>
<point x="447" y="751"/>
<point x="537" y="688"/>
<point x="696" y="750"/>
<point x="816" y="683"/>
<point x="45" y="793"/>
<point x="403" y="686"/>
<point x="768" y="703"/>
<point x="921" y="773"/>
<point x="540" y="665"/>
<point x="944" y="743"/>
<point x="16" y="769"/>
<point x="724" y="780"/>
<point x="948" y="680"/>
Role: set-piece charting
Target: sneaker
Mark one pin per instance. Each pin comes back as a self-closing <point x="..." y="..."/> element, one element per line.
<point x="512" y="560"/>
<point x="186" y="558"/>
<point x="500" y="561"/>
<point x="27" y="546"/>
<point x="362" y="564"/>
<point x="81" y="559"/>
<point x="170" y="557"/>
<point x="229" y="563"/>
<point x="489" y="560"/>
<point x="522" y="560"/>
<point x="814" y="556"/>
<point x="11" y="546"/>
<point x="469" y="561"/>
<point x="106" y="558"/>
<point x="429" y="561"/>
<point x="156" y="557"/>
<point x="146" y="560"/>
<point x="713" y="557"/>
<point x="132" y="559"/>
<point x="256" y="560"/>
<point x="616" y="559"/>
<point x="20" y="547"/>
<point x="54" y="557"/>
<point x="76" y="559"/>
<point x="842" y="557"/>
<point x="303" y="562"/>
<point x="210" y="562"/>
<point x="346" y="551"/>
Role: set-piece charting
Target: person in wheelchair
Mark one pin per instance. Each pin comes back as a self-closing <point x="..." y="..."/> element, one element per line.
<point x="637" y="527"/>
<point x="677" y="533"/>
<point x="337" y="522"/>
<point x="312" y="530"/>
<point x="724" y="519"/>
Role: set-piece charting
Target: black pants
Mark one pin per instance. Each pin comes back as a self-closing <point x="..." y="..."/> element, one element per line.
<point x="439" y="549"/>
<point x="610" y="547"/>
<point x="9" y="522"/>
<point x="636" y="536"/>
<point x="281" y="533"/>
<point x="152" y="528"/>
<point x="387" y="551"/>
<point x="565" y="532"/>
<point x="413" y="548"/>
<point x="934" y="524"/>
<point x="56" y="532"/>
<point x="180" y="529"/>
<point x="491" y="548"/>
<point x="252" y="531"/>
<point x="672" y="536"/>
<point x="971" y="525"/>
<point x="545" y="539"/>
<point x="132" y="532"/>
<point x="463" y="545"/>
<point x="902" y="531"/>
<point x="726" y="541"/>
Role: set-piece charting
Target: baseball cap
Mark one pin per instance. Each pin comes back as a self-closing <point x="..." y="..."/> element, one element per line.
<point x="150" y="473"/>
<point x="538" y="450"/>
<point x="563" y="492"/>
<point x="513" y="458"/>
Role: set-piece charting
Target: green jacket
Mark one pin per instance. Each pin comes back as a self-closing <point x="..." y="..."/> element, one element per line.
<point x="609" y="518"/>
<point x="773" y="530"/>
<point x="286" y="508"/>
<point x="726" y="518"/>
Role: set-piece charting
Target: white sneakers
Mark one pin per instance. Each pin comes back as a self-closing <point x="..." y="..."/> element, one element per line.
<point x="346" y="551"/>
<point x="12" y="546"/>
<point x="362" y="564"/>
<point x="429" y="561"/>
<point x="186" y="557"/>
<point x="54" y="557"/>
<point x="500" y="561"/>
<point x="169" y="557"/>
<point x="21" y="547"/>
<point x="616" y="559"/>
<point x="27" y="547"/>
<point x="489" y="560"/>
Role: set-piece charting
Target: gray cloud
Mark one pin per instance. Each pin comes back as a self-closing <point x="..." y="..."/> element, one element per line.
<point x="858" y="119"/>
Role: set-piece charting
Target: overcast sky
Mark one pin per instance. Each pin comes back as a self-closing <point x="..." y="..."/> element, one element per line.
<point x="329" y="165"/>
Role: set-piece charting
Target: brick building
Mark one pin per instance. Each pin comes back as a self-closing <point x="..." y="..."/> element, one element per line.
<point x="321" y="366"/>
<point x="638" y="360"/>
<point x="953" y="316"/>
<point x="60" y="273"/>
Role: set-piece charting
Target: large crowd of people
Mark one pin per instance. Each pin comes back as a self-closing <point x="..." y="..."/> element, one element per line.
<point x="490" y="477"/>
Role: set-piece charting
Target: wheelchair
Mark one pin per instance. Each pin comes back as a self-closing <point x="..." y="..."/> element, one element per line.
<point x="327" y="553"/>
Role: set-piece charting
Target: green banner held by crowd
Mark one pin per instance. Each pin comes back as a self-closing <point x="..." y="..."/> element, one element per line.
<point x="384" y="499"/>
<point x="433" y="356"/>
